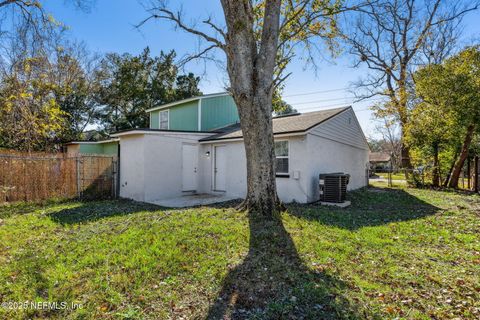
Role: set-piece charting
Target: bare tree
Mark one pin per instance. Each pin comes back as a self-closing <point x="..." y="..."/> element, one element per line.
<point x="389" y="130"/>
<point x="259" y="39"/>
<point x="26" y="28"/>
<point x="388" y="36"/>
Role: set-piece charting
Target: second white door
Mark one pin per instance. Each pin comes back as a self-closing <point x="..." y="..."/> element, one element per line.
<point x="189" y="167"/>
<point x="220" y="169"/>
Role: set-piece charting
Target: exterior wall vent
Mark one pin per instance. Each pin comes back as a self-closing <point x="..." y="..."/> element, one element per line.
<point x="333" y="187"/>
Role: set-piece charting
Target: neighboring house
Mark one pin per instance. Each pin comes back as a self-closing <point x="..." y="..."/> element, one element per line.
<point x="105" y="147"/>
<point x="379" y="160"/>
<point x="196" y="146"/>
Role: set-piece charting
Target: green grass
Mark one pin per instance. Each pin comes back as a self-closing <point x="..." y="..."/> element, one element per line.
<point x="395" y="176"/>
<point x="394" y="254"/>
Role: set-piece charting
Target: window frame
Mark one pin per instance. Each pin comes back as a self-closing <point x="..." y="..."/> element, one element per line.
<point x="283" y="174"/>
<point x="160" y="119"/>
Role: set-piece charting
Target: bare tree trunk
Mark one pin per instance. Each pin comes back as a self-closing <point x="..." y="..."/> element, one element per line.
<point x="405" y="161"/>
<point x="251" y="61"/>
<point x="453" y="183"/>
<point x="449" y="174"/>
<point x="258" y="140"/>
<point x="405" y="157"/>
<point x="250" y="66"/>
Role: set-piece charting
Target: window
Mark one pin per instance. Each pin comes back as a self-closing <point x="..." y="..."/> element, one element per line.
<point x="163" y="120"/>
<point x="281" y="155"/>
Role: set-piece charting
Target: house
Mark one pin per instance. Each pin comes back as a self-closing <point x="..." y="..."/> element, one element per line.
<point x="195" y="146"/>
<point x="379" y="161"/>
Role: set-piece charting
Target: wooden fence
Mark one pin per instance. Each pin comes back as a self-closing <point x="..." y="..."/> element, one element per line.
<point x="33" y="177"/>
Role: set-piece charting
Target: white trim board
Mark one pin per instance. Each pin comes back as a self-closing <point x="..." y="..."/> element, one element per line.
<point x="279" y="135"/>
<point x="199" y="114"/>
<point x="165" y="132"/>
<point x="160" y="120"/>
<point x="93" y="142"/>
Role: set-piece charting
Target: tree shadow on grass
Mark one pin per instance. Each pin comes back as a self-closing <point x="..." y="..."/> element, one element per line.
<point x="273" y="283"/>
<point x="89" y="211"/>
<point x="370" y="207"/>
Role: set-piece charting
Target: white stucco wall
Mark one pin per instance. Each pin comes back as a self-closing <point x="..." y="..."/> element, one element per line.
<point x="151" y="165"/>
<point x="236" y="177"/>
<point x="338" y="145"/>
<point x="132" y="167"/>
<point x="289" y="189"/>
<point x="327" y="156"/>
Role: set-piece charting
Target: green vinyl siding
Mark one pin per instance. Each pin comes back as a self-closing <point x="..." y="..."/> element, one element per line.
<point x="154" y="119"/>
<point x="181" y="117"/>
<point x="184" y="116"/>
<point x="90" y="148"/>
<point x="218" y="112"/>
<point x="109" y="148"/>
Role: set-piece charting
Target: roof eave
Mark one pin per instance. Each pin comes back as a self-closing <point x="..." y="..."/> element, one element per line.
<point x="171" y="104"/>
<point x="91" y="142"/>
<point x="232" y="139"/>
<point x="153" y="131"/>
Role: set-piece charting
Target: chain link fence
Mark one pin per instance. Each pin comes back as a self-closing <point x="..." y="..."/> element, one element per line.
<point x="423" y="176"/>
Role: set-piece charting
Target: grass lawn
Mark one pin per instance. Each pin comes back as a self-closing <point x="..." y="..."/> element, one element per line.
<point x="394" y="254"/>
<point x="395" y="176"/>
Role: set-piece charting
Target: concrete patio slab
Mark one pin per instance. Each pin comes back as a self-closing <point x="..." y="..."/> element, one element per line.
<point x="344" y="204"/>
<point x="192" y="200"/>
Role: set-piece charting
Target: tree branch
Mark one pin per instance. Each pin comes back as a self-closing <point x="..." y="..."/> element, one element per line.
<point x="163" y="13"/>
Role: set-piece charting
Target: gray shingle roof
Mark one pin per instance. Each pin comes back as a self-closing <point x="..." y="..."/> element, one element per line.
<point x="300" y="122"/>
<point x="379" y="157"/>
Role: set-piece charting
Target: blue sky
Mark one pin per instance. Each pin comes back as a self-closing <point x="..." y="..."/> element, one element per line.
<point x="109" y="26"/>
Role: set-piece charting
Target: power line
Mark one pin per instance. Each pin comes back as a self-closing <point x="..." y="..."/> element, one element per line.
<point x="329" y="106"/>
<point x="325" y="106"/>
<point x="315" y="92"/>
<point x="323" y="100"/>
<point x="361" y="110"/>
<point x="335" y="105"/>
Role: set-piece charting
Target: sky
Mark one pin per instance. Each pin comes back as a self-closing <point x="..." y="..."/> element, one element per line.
<point x="109" y="26"/>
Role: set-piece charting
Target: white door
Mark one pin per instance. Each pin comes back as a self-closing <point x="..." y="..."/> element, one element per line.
<point x="220" y="169"/>
<point x="189" y="167"/>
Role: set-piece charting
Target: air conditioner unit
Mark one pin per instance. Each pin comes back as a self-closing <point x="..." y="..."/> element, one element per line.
<point x="333" y="187"/>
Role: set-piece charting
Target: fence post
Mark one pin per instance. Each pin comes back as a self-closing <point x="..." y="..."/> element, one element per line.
<point x="475" y="177"/>
<point x="77" y="159"/>
<point x="469" y="173"/>
<point x="117" y="178"/>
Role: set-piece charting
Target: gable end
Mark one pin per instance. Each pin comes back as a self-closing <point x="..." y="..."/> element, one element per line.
<point x="343" y="128"/>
